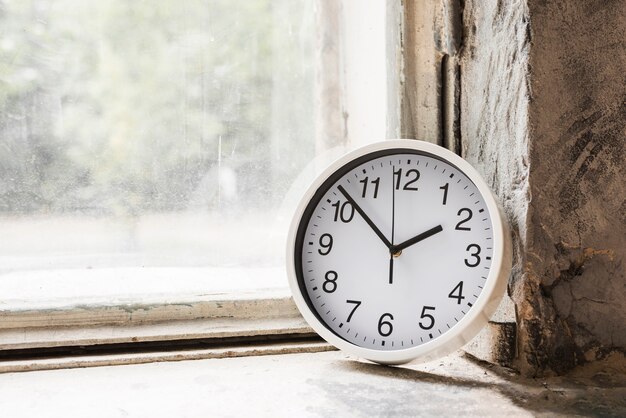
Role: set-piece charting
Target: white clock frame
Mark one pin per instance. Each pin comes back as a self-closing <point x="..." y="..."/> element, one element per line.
<point x="479" y="314"/>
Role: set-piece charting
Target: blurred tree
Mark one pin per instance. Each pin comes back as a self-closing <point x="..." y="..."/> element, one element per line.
<point x="120" y="107"/>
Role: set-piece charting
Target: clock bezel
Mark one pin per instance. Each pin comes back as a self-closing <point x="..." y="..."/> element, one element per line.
<point x="479" y="313"/>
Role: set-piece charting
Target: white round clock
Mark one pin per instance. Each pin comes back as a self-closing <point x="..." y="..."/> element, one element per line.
<point x="398" y="252"/>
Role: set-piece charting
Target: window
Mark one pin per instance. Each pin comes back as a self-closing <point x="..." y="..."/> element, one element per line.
<point x="140" y="134"/>
<point x="151" y="152"/>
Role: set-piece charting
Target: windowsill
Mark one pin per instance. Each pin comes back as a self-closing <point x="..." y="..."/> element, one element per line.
<point x="220" y="340"/>
<point x="118" y="305"/>
<point x="125" y="295"/>
<point x="56" y="289"/>
<point x="310" y="384"/>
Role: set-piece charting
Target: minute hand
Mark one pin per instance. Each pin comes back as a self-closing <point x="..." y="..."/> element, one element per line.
<point x="432" y="231"/>
<point x="364" y="216"/>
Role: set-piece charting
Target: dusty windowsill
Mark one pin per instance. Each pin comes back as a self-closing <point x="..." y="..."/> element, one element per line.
<point x="318" y="384"/>
<point x="85" y="307"/>
<point x="132" y="296"/>
<point x="58" y="289"/>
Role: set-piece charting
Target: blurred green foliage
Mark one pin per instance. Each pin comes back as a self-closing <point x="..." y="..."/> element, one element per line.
<point x="118" y="107"/>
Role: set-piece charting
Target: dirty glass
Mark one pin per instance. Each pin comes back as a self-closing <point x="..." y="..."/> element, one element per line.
<point x="161" y="133"/>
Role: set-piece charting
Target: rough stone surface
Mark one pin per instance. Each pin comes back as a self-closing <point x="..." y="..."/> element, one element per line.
<point x="543" y="116"/>
<point x="575" y="272"/>
<point x="494" y="103"/>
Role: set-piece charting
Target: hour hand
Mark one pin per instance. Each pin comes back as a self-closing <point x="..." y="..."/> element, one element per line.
<point x="432" y="231"/>
<point x="364" y="216"/>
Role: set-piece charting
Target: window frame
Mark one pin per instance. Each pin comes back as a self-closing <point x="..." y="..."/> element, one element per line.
<point x="258" y="312"/>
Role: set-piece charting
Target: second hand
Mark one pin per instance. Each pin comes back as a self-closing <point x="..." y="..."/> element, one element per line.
<point x="393" y="216"/>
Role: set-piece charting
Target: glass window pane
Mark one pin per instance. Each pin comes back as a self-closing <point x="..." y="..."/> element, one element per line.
<point x="153" y="132"/>
<point x="171" y="133"/>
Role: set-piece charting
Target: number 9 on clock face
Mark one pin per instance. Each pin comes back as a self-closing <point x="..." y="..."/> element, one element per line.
<point x="398" y="252"/>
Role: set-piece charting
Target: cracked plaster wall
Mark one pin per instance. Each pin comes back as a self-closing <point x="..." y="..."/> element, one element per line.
<point x="543" y="117"/>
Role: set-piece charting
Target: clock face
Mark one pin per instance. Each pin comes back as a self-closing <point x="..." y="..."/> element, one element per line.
<point x="394" y="249"/>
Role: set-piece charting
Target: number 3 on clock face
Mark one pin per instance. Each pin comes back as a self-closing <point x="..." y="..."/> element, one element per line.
<point x="398" y="252"/>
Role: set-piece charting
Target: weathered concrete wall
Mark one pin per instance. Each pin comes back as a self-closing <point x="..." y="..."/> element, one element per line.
<point x="543" y="116"/>
<point x="494" y="102"/>
<point x="493" y="116"/>
<point x="576" y="247"/>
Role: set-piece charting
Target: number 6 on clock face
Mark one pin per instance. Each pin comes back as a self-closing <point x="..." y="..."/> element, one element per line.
<point x="398" y="252"/>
